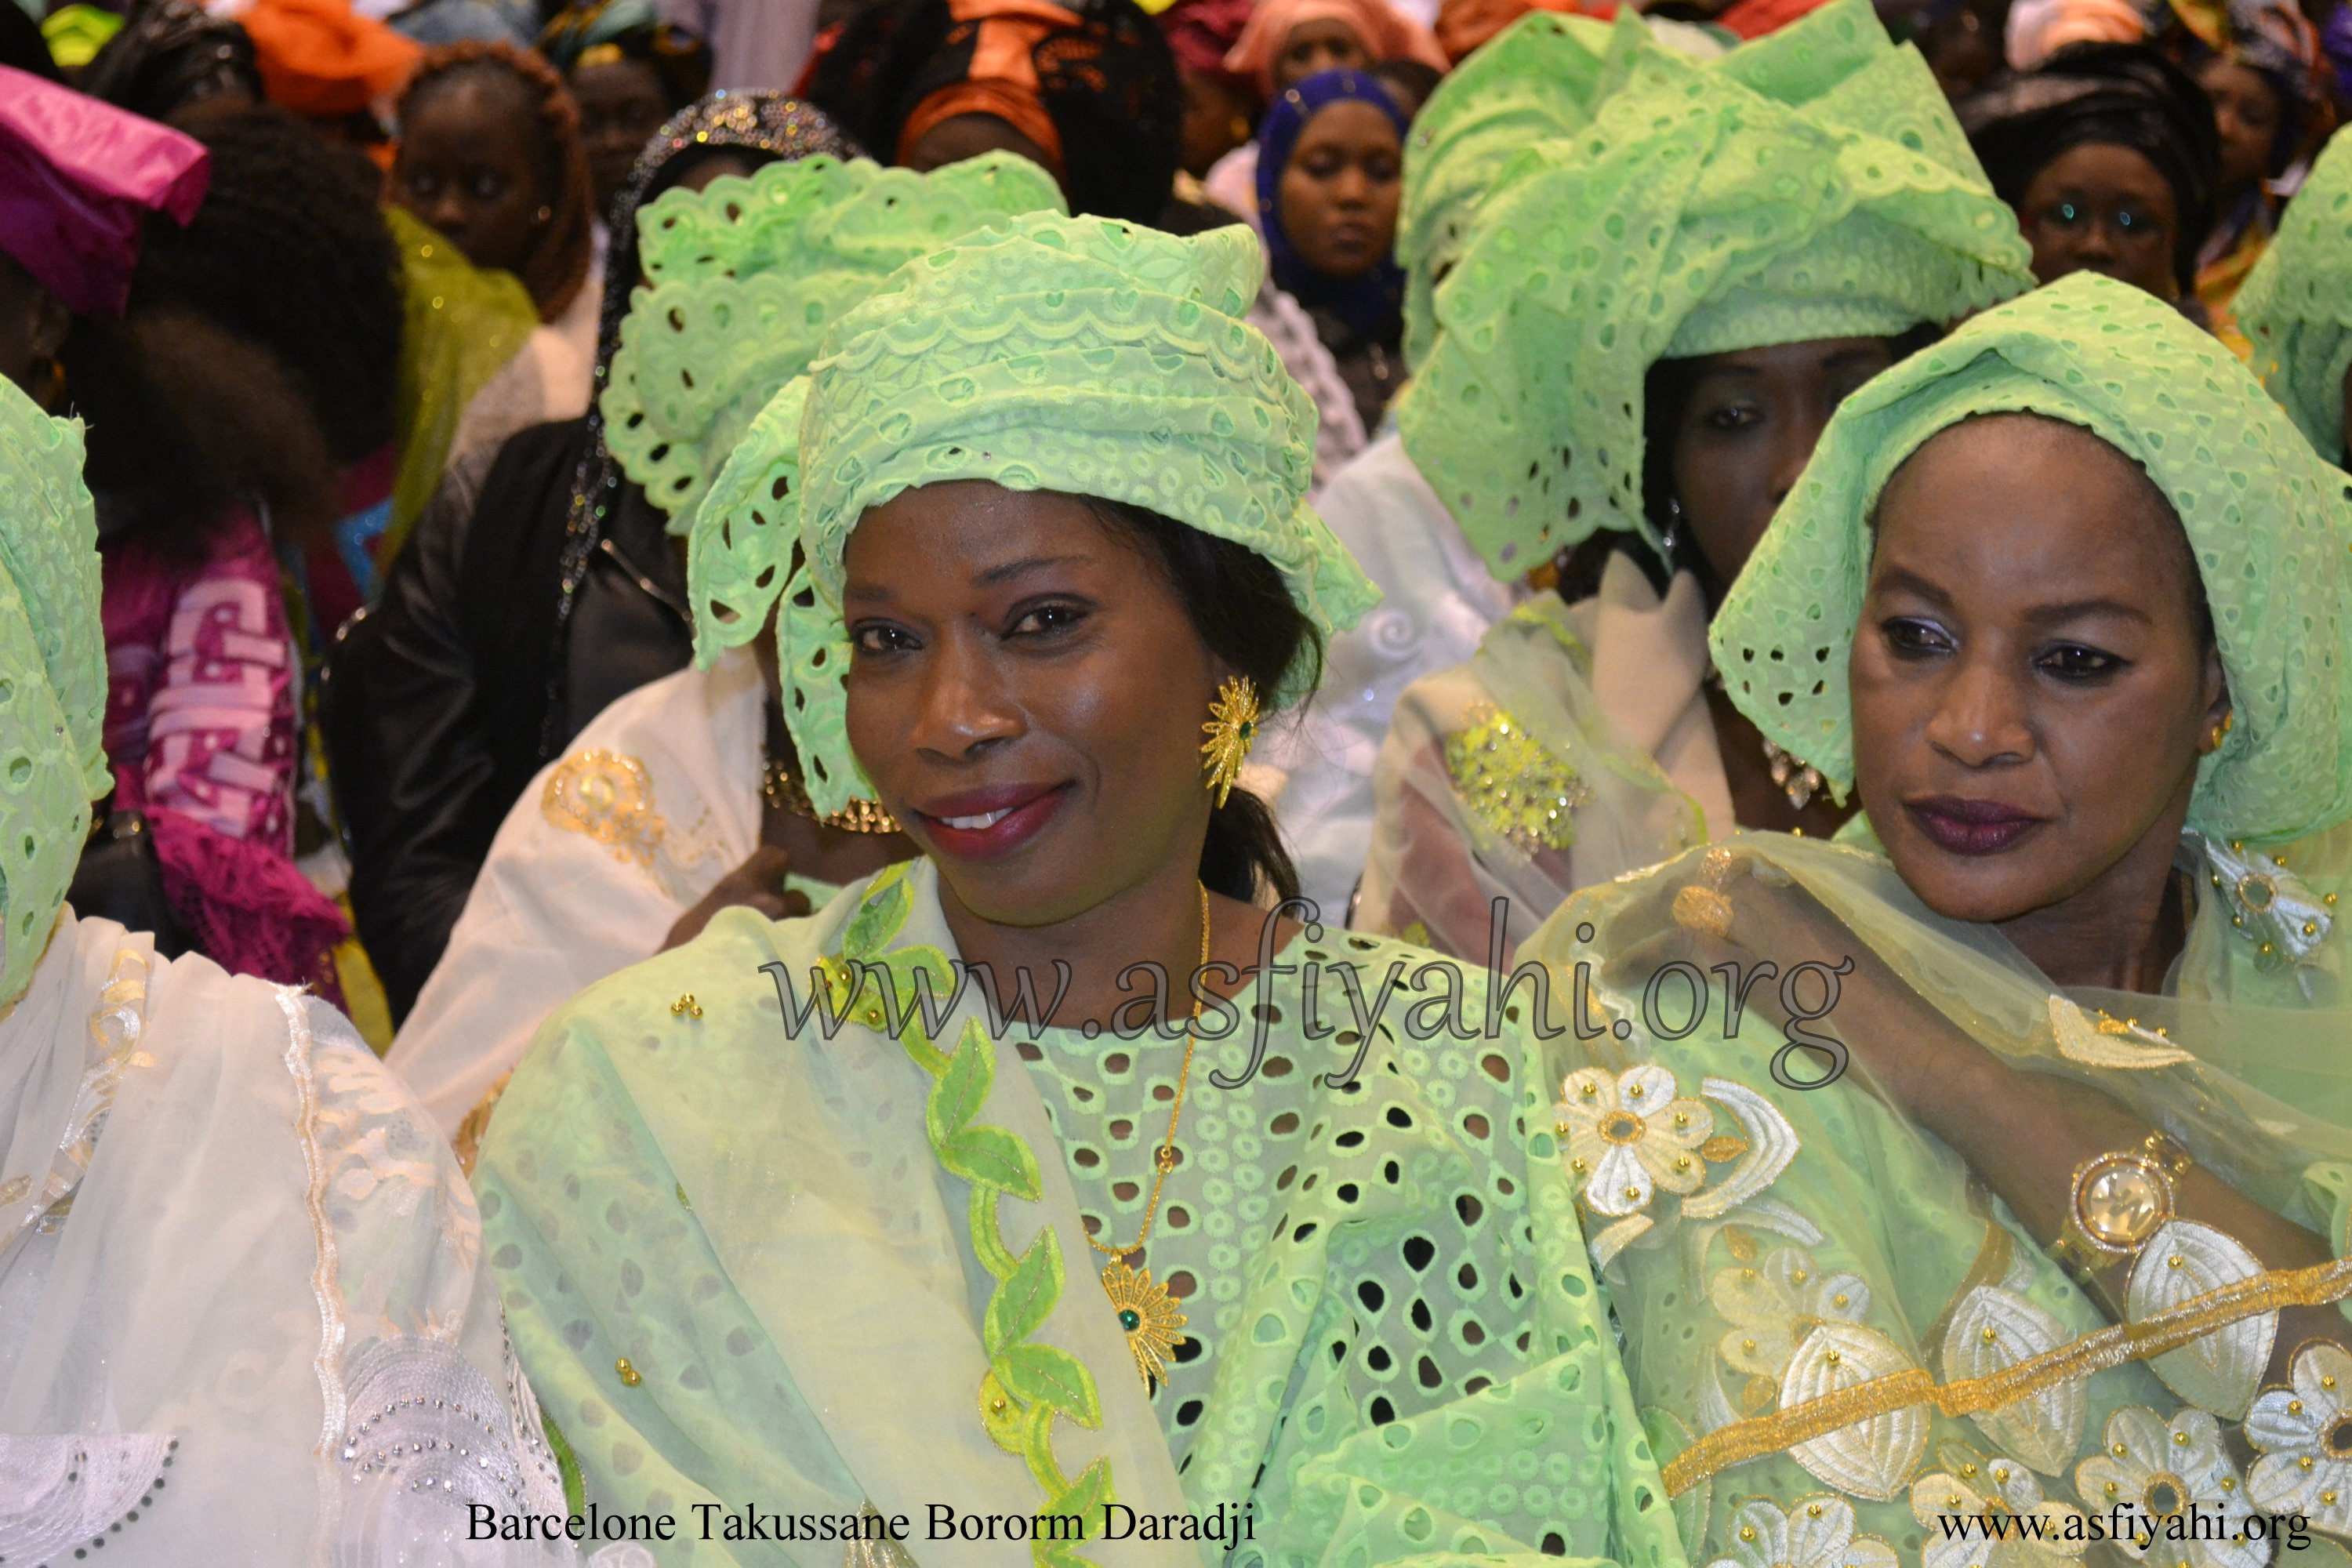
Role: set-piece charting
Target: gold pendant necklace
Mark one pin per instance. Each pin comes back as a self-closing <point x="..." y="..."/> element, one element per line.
<point x="1146" y="1310"/>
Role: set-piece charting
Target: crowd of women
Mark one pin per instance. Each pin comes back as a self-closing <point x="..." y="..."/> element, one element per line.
<point x="1632" y="725"/>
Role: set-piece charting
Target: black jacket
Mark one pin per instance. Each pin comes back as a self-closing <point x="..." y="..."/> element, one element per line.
<point x="472" y="673"/>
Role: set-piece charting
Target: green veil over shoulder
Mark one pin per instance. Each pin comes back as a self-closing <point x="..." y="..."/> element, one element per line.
<point x="1842" y="1340"/>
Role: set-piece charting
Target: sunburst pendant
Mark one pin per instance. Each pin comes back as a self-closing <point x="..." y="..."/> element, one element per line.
<point x="1148" y="1314"/>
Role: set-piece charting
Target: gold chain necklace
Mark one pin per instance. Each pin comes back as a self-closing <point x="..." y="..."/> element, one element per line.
<point x="1146" y="1310"/>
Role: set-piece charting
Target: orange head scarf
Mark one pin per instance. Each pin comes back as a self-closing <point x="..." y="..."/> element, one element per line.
<point x="1386" y="33"/>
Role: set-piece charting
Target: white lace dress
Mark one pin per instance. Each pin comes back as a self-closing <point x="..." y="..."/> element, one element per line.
<point x="243" y="1314"/>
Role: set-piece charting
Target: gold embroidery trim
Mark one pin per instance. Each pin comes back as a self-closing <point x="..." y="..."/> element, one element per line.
<point x="609" y="797"/>
<point x="2111" y="1347"/>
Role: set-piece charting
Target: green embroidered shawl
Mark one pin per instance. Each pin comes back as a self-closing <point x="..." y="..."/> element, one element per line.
<point x="826" y="1261"/>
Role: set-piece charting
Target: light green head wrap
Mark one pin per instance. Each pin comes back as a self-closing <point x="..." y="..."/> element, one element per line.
<point x="747" y="274"/>
<point x="2269" y="522"/>
<point x="2296" y="306"/>
<point x="1083" y="355"/>
<point x="52" y="676"/>
<point x="1812" y="184"/>
<point x="1535" y="79"/>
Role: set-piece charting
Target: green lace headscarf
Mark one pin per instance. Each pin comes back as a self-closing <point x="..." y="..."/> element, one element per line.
<point x="52" y="676"/>
<point x="2270" y="524"/>
<point x="1084" y="355"/>
<point x="2296" y="306"/>
<point x="1535" y="80"/>
<point x="1812" y="185"/>
<point x="746" y="275"/>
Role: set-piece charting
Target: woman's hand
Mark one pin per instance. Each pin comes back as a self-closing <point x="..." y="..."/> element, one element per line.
<point x="758" y="883"/>
<point x="1737" y="911"/>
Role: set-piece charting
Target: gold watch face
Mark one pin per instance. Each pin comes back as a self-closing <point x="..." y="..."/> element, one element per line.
<point x="2120" y="1201"/>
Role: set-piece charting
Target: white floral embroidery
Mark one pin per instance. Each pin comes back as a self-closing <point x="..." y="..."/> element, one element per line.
<point x="2154" y="1472"/>
<point x="2304" y="1436"/>
<point x="2014" y="1493"/>
<point x="1773" y="1304"/>
<point x="1816" y="1533"/>
<point x="1631" y="1133"/>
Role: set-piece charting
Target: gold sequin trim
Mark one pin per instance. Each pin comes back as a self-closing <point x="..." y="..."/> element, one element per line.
<point x="1513" y="783"/>
<point x="608" y="797"/>
<point x="2111" y="1347"/>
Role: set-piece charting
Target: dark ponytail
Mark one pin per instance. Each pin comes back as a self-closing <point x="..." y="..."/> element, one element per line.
<point x="1242" y="608"/>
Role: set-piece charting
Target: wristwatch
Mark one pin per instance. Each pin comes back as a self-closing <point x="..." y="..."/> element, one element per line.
<point x="2118" y="1200"/>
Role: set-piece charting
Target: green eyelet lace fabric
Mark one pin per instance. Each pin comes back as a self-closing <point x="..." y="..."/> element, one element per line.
<point x="1536" y="79"/>
<point x="52" y="676"/>
<point x="747" y="274"/>
<point x="1083" y="355"/>
<point x="2296" y="306"/>
<point x="2268" y="522"/>
<point x="1812" y="185"/>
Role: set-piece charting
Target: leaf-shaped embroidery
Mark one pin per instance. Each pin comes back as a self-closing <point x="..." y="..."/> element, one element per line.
<point x="1873" y="1457"/>
<point x="1084" y="1497"/>
<point x="1991" y="1331"/>
<point x="1049" y="1376"/>
<point x="958" y="1093"/>
<point x="993" y="1156"/>
<point x="1025" y="1296"/>
<point x="2221" y="1370"/>
<point x="880" y="916"/>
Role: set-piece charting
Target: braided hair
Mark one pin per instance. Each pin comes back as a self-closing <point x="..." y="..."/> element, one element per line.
<point x="557" y="266"/>
<point x="260" y="353"/>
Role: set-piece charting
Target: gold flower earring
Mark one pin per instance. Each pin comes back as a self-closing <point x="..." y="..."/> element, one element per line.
<point x="2222" y="729"/>
<point x="1231" y="729"/>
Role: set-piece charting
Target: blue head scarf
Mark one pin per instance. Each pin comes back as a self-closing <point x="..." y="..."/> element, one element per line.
<point x="1371" y="302"/>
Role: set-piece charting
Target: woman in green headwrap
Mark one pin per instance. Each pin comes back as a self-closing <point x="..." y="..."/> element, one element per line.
<point x="1996" y="1161"/>
<point x="1652" y="321"/>
<point x="691" y="772"/>
<point x="2296" y="306"/>
<point x="1046" y="497"/>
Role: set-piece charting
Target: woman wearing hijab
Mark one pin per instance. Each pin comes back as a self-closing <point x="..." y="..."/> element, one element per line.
<point x="2028" y="1197"/>
<point x="541" y="587"/>
<point x="1327" y="201"/>
<point x="1087" y="92"/>
<point x="1313" y="1308"/>
<point x="681" y="798"/>
<point x="2108" y="155"/>
<point x="1287" y="41"/>
<point x="1582" y="739"/>
<point x="629" y="71"/>
<point x="2297" y="305"/>
<point x="241" y="1315"/>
